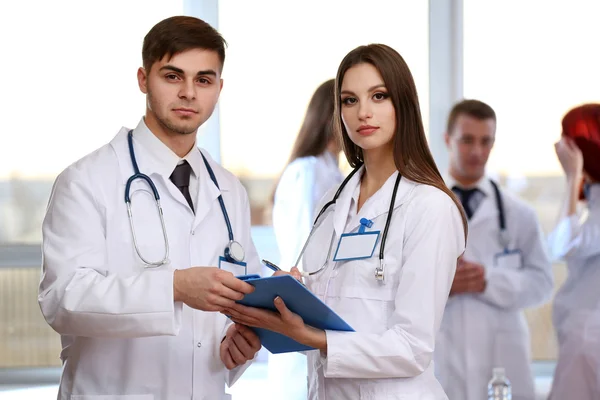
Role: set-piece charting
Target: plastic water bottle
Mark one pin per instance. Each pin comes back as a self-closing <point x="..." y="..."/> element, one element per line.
<point x="499" y="386"/>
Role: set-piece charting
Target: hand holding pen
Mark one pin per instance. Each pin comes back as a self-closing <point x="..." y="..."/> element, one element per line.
<point x="295" y="272"/>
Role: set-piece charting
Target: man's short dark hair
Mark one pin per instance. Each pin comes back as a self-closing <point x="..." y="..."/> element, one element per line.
<point x="178" y="34"/>
<point x="473" y="108"/>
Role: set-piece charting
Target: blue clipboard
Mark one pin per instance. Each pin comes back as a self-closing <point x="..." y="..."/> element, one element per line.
<point x="299" y="300"/>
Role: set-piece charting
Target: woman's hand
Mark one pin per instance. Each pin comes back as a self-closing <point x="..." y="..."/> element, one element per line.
<point x="283" y="321"/>
<point x="570" y="158"/>
<point x="295" y="272"/>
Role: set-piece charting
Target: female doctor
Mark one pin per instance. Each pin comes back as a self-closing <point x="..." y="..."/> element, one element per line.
<point x="311" y="172"/>
<point x="576" y="312"/>
<point x="389" y="280"/>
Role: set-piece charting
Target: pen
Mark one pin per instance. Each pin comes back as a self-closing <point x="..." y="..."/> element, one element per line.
<point x="270" y="265"/>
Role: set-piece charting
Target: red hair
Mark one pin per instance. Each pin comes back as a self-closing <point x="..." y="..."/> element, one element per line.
<point x="582" y="124"/>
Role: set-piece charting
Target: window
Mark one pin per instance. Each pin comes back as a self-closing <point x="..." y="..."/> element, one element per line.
<point x="532" y="61"/>
<point x="69" y="84"/>
<point x="71" y="76"/>
<point x="279" y="53"/>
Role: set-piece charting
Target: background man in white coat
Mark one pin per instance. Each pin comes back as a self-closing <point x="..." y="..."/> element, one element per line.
<point x="498" y="276"/>
<point x="131" y="329"/>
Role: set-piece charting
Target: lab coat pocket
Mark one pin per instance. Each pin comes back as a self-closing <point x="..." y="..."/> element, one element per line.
<point x="360" y="281"/>
<point x="511" y="350"/>
<point x="366" y="303"/>
<point x="112" y="397"/>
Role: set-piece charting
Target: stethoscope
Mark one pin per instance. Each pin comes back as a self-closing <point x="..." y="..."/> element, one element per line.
<point x="234" y="252"/>
<point x="380" y="268"/>
<point x="503" y="234"/>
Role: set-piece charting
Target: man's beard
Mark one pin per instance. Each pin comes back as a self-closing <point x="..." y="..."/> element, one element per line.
<point x="168" y="125"/>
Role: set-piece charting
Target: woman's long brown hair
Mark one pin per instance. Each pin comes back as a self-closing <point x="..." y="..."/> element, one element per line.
<point x="412" y="156"/>
<point x="316" y="131"/>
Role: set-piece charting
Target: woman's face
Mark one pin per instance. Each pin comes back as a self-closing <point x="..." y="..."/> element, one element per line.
<point x="367" y="110"/>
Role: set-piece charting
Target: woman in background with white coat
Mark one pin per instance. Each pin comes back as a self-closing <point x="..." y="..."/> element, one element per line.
<point x="407" y="231"/>
<point x="311" y="171"/>
<point x="576" y="313"/>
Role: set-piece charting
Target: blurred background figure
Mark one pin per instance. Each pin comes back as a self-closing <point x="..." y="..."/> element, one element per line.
<point x="311" y="171"/>
<point x="576" y="240"/>
<point x="504" y="270"/>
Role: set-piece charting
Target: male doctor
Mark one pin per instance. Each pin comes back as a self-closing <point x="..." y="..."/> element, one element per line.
<point x="504" y="270"/>
<point x="138" y="317"/>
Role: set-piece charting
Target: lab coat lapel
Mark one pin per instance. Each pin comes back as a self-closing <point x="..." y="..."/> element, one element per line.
<point x="379" y="204"/>
<point x="342" y="205"/>
<point x="486" y="211"/>
<point x="146" y="166"/>
<point x="121" y="149"/>
<point x="207" y="196"/>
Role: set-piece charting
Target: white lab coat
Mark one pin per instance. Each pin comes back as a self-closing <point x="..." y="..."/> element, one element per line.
<point x="123" y="335"/>
<point x="487" y="330"/>
<point x="303" y="183"/>
<point x="396" y="322"/>
<point x="576" y="313"/>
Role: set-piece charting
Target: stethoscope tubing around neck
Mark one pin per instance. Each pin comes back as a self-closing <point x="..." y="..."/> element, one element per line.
<point x="234" y="251"/>
<point x="333" y="202"/>
<point x="501" y="216"/>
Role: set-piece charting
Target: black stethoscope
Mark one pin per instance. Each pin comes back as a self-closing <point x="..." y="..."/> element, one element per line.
<point x="234" y="252"/>
<point x="379" y="269"/>
<point x="503" y="235"/>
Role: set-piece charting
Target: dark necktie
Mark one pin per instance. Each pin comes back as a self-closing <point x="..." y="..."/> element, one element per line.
<point x="181" y="178"/>
<point x="465" y="196"/>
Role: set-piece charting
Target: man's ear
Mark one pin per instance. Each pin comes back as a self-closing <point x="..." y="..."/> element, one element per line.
<point x="142" y="80"/>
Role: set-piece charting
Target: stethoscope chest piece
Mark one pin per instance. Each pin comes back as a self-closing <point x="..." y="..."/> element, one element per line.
<point x="235" y="251"/>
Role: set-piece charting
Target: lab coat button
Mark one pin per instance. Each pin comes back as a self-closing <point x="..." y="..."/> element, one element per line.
<point x="199" y="344"/>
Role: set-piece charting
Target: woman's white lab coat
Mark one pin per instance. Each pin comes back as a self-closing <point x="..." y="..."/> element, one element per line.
<point x="396" y="322"/>
<point x="576" y="313"/>
<point x="303" y="183"/>
<point x="487" y="330"/>
<point x="123" y="335"/>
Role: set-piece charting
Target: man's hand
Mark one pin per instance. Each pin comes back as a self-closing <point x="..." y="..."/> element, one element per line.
<point x="240" y="345"/>
<point x="469" y="278"/>
<point x="208" y="288"/>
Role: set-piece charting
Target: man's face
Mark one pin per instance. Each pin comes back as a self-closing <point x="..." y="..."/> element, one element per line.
<point x="469" y="145"/>
<point x="182" y="91"/>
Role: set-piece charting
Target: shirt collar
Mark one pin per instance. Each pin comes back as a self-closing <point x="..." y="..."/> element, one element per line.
<point x="159" y="157"/>
<point x="483" y="184"/>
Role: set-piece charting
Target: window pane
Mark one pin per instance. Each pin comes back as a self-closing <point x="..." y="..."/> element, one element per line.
<point x="279" y="53"/>
<point x="71" y="76"/>
<point x="532" y="61"/>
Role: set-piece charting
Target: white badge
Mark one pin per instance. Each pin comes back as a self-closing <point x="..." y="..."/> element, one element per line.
<point x="356" y="246"/>
<point x="512" y="259"/>
<point x="236" y="269"/>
